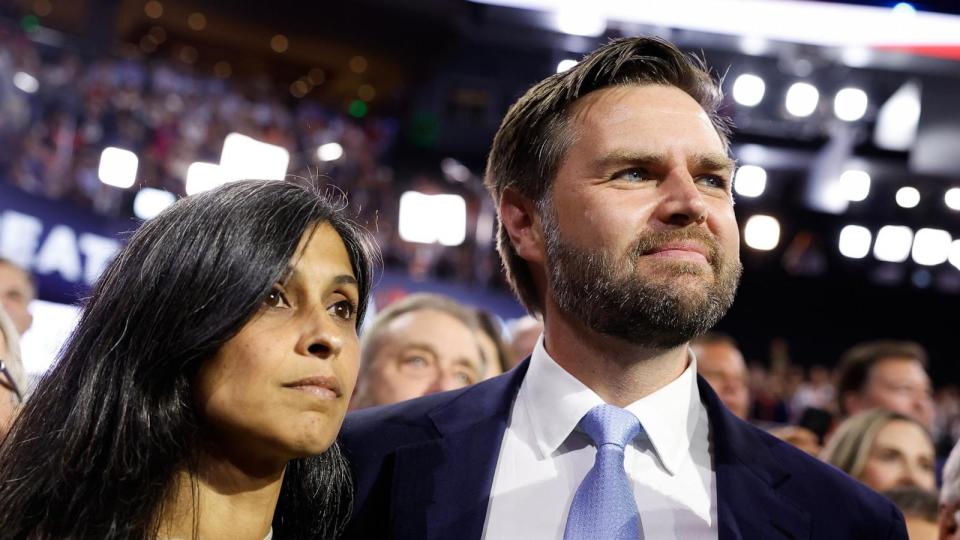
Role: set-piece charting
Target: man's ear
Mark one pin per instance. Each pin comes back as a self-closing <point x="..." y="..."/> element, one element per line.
<point x="522" y="222"/>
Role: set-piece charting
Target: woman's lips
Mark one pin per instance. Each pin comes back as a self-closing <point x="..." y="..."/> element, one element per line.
<point x="322" y="387"/>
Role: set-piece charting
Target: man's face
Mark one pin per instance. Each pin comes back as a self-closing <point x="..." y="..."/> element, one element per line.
<point x="8" y="398"/>
<point x="16" y="293"/>
<point x="640" y="236"/>
<point x="419" y="353"/>
<point x="900" y="385"/>
<point x="722" y="365"/>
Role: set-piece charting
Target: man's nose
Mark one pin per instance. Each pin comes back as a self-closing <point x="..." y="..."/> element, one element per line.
<point x="682" y="203"/>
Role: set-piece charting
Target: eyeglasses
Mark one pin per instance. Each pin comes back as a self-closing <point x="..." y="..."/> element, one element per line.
<point x="10" y="383"/>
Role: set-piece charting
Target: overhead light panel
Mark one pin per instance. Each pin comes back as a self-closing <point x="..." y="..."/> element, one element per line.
<point x="855" y="185"/>
<point x="245" y="158"/>
<point x="330" y="152"/>
<point x="118" y="167"/>
<point x="850" y="104"/>
<point x="893" y="243"/>
<point x="908" y="197"/>
<point x="898" y="119"/>
<point x="429" y="219"/>
<point x="566" y="64"/>
<point x="931" y="247"/>
<point x="855" y="241"/>
<point x="149" y="202"/>
<point x="204" y="176"/>
<point x="802" y="99"/>
<point x="952" y="198"/>
<point x="748" y="89"/>
<point x="762" y="232"/>
<point x="750" y="181"/>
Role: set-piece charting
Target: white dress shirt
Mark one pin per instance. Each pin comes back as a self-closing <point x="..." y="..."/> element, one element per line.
<point x="543" y="458"/>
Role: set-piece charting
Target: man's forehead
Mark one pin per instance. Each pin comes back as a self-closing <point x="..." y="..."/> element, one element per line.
<point x="11" y="276"/>
<point x="623" y="101"/>
<point x="897" y="367"/>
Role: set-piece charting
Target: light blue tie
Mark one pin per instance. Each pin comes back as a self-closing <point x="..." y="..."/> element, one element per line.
<point x="603" y="507"/>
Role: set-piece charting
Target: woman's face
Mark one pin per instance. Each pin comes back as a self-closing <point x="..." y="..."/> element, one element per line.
<point x="279" y="389"/>
<point x="902" y="455"/>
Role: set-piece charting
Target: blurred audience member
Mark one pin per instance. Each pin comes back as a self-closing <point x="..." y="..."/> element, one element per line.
<point x="919" y="507"/>
<point x="16" y="292"/>
<point x="949" y="511"/>
<point x="12" y="379"/>
<point x="419" y="345"/>
<point x="766" y="392"/>
<point x="720" y="362"/>
<point x="494" y="348"/>
<point x="884" y="450"/>
<point x="524" y="333"/>
<point x="888" y="374"/>
<point x="799" y="436"/>
<point x="816" y="392"/>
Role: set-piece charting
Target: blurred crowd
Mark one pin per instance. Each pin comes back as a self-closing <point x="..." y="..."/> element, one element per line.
<point x="60" y="112"/>
<point x="171" y="116"/>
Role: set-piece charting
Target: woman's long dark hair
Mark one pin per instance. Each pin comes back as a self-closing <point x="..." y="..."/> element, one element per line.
<point x="94" y="451"/>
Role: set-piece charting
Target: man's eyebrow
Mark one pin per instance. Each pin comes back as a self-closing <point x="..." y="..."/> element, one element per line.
<point x="715" y="162"/>
<point x="616" y="158"/>
<point x="625" y="157"/>
<point x="418" y="345"/>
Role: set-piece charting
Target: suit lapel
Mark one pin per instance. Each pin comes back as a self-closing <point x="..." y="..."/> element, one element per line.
<point x="748" y="476"/>
<point x="441" y="487"/>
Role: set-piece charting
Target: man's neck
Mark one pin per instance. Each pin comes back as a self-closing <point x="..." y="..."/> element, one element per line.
<point x="223" y="500"/>
<point x="618" y="371"/>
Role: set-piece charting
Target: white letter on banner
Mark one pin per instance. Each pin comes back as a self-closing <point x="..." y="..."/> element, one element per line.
<point x="19" y="237"/>
<point x="59" y="252"/>
<point x="99" y="251"/>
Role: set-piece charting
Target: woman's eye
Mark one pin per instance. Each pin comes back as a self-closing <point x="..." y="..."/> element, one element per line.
<point x="344" y="309"/>
<point x="276" y="299"/>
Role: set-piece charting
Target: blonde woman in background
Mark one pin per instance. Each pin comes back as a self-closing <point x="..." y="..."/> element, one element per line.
<point x="884" y="450"/>
<point x="12" y="379"/>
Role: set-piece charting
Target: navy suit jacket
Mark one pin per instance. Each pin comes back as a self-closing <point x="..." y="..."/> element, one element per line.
<point x="423" y="469"/>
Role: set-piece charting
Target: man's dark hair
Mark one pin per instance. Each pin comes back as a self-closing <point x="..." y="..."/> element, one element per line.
<point x="536" y="133"/>
<point x="855" y="364"/>
<point x="95" y="450"/>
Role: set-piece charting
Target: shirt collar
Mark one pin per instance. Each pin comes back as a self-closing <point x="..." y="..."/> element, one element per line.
<point x="556" y="401"/>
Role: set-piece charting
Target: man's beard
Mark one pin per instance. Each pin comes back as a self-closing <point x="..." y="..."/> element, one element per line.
<point x="607" y="295"/>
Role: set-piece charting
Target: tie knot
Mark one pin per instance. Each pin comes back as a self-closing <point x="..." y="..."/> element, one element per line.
<point x="606" y="424"/>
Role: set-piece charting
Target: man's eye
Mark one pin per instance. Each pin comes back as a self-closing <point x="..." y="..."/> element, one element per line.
<point x="344" y="309"/>
<point x="632" y="175"/>
<point x="276" y="299"/>
<point x="714" y="180"/>
<point x="464" y="378"/>
<point x="416" y="361"/>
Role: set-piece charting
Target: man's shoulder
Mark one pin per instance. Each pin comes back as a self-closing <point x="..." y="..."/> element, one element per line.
<point x="831" y="497"/>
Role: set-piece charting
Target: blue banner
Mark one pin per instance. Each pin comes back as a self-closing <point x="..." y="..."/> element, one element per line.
<point x="65" y="247"/>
